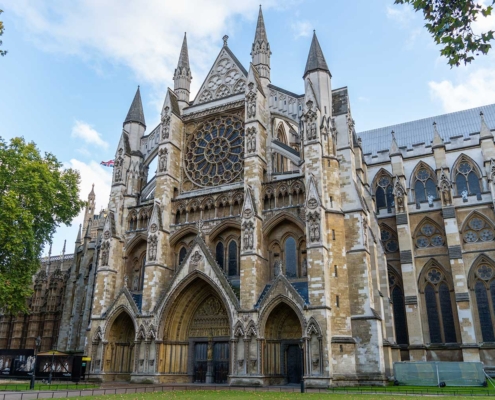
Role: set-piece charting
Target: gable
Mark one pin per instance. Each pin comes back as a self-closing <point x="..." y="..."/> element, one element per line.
<point x="226" y="77"/>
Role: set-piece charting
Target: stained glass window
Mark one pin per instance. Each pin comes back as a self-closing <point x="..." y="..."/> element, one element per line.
<point x="400" y="320"/>
<point x="429" y="235"/>
<point x="219" y="253"/>
<point x="389" y="239"/>
<point x="432" y="312"/>
<point x="478" y="229"/>
<point x="233" y="259"/>
<point x="424" y="185"/>
<point x="484" y="313"/>
<point x="290" y="258"/>
<point x="384" y="192"/>
<point x="466" y="178"/>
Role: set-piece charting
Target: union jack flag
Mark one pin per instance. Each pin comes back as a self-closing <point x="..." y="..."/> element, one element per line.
<point x="108" y="163"/>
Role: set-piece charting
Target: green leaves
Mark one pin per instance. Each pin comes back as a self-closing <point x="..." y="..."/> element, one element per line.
<point x="36" y="196"/>
<point x="450" y="24"/>
<point x="2" y="28"/>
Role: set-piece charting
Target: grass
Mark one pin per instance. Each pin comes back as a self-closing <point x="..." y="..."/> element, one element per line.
<point x="238" y="395"/>
<point x="16" y="387"/>
<point x="467" y="390"/>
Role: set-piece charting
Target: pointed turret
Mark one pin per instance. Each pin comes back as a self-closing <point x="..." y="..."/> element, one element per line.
<point x="134" y="123"/>
<point x="78" y="239"/>
<point x="90" y="208"/>
<point x="437" y="139"/>
<point x="260" y="52"/>
<point x="394" y="148"/>
<point x="136" y="113"/>
<point x="182" y="75"/>
<point x="316" y="60"/>
<point x="318" y="74"/>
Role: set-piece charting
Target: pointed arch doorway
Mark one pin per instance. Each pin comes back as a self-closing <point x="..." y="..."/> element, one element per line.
<point x="197" y="335"/>
<point x="283" y="334"/>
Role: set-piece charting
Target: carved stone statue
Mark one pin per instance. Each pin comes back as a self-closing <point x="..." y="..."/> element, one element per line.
<point x="105" y="251"/>
<point x="209" y="353"/>
<point x="464" y="195"/>
<point x="304" y="267"/>
<point x="314" y="226"/>
<point x="277" y="268"/>
<point x="430" y="200"/>
<point x="152" y="247"/>
<point x="162" y="160"/>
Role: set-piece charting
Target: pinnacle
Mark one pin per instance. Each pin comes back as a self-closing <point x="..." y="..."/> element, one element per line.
<point x="184" y="54"/>
<point x="260" y="35"/>
<point x="136" y="113"/>
<point x="316" y="59"/>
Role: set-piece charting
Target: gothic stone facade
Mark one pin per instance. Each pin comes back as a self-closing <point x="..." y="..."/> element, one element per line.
<point x="273" y="240"/>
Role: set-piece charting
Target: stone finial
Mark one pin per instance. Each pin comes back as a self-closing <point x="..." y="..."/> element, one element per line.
<point x="437" y="139"/>
<point x="485" y="132"/>
<point x="394" y="148"/>
<point x="225" y="38"/>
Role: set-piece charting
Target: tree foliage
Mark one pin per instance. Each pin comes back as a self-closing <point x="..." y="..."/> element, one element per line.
<point x="36" y="196"/>
<point x="2" y="28"/>
<point x="450" y="23"/>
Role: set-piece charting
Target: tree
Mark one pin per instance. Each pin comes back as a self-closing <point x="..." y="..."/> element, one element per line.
<point x="36" y="196"/>
<point x="2" y="52"/>
<point x="450" y="24"/>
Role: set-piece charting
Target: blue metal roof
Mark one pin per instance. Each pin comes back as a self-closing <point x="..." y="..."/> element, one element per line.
<point x="460" y="123"/>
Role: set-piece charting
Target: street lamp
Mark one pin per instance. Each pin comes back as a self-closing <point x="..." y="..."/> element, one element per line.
<point x="301" y="346"/>
<point x="37" y="343"/>
<point x="51" y="368"/>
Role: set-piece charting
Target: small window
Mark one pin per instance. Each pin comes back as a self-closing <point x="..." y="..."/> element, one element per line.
<point x="182" y="254"/>
<point x="389" y="239"/>
<point x="335" y="273"/>
<point x="233" y="259"/>
<point x="290" y="258"/>
<point x="220" y="255"/>
<point x="333" y="234"/>
<point x="384" y="192"/>
<point x="337" y="301"/>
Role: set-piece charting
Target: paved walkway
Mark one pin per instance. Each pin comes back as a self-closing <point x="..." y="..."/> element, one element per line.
<point x="123" y="388"/>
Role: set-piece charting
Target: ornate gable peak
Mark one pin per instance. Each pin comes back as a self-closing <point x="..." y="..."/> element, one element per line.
<point x="254" y="78"/>
<point x="310" y="95"/>
<point x="155" y="221"/>
<point x="248" y="209"/>
<point x="170" y="104"/>
<point x="227" y="76"/>
<point x="313" y="199"/>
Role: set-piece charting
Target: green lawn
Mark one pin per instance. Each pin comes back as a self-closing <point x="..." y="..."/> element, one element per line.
<point x="40" y="386"/>
<point x="227" y="394"/>
<point x="475" y="390"/>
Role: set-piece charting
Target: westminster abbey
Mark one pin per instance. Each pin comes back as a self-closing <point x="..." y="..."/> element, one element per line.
<point x="275" y="242"/>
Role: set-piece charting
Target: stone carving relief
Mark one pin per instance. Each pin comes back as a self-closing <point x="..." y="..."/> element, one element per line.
<point x="118" y="165"/>
<point x="445" y="187"/>
<point x="399" y="193"/>
<point x="250" y="140"/>
<point x="251" y="101"/>
<point x="152" y="247"/>
<point x="248" y="241"/>
<point x="166" y="118"/>
<point x="196" y="258"/>
<point x="105" y="252"/>
<point x="310" y="119"/>
<point x="162" y="160"/>
<point x="313" y="220"/>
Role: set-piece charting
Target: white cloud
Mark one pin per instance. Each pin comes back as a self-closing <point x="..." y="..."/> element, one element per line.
<point x="402" y="14"/>
<point x="364" y="99"/>
<point x="301" y="29"/>
<point x="474" y="89"/>
<point x="84" y="131"/>
<point x="91" y="173"/>
<point x="144" y="36"/>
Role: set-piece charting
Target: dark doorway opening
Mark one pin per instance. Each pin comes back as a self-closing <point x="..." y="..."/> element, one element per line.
<point x="200" y="362"/>
<point x="294" y="364"/>
<point x="220" y="362"/>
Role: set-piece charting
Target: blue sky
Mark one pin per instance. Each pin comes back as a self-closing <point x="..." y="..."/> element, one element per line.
<point x="73" y="66"/>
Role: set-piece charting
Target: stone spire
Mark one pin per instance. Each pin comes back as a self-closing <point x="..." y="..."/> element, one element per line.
<point x="394" y="148"/>
<point x="182" y="74"/>
<point x="78" y="239"/>
<point x="90" y="208"/>
<point x="260" y="51"/>
<point x="484" y="130"/>
<point x="316" y="59"/>
<point x="136" y="113"/>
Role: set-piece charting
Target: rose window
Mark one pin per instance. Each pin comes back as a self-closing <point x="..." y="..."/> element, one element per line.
<point x="478" y="230"/>
<point x="215" y="152"/>
<point x="485" y="272"/>
<point x="389" y="241"/>
<point x="434" y="275"/>
<point x="429" y="236"/>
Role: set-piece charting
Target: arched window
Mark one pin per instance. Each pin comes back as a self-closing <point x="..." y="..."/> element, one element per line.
<point x="219" y="253"/>
<point x="233" y="259"/>
<point x="384" y="192"/>
<point x="399" y="307"/>
<point x="290" y="257"/>
<point x="389" y="239"/>
<point x="477" y="229"/>
<point x="279" y="161"/>
<point x="182" y="254"/>
<point x="438" y="302"/>
<point x="428" y="234"/>
<point x="483" y="283"/>
<point x="424" y="185"/>
<point x="467" y="180"/>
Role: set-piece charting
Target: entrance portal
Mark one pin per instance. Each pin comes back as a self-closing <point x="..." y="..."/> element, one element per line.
<point x="219" y="365"/>
<point x="283" y="356"/>
<point x="294" y="364"/>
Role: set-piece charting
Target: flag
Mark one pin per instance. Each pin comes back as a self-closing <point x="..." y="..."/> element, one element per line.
<point x="107" y="163"/>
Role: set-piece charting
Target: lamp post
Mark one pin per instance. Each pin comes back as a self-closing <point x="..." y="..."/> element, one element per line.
<point x="301" y="346"/>
<point x="51" y="368"/>
<point x="37" y="343"/>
